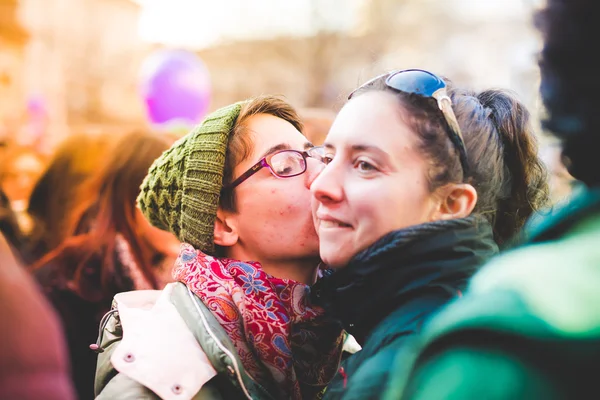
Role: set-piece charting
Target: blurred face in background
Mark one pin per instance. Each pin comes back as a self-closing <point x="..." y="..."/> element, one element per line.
<point x="19" y="173"/>
<point x="162" y="241"/>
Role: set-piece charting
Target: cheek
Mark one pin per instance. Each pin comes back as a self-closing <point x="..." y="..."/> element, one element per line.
<point x="162" y="236"/>
<point x="314" y="206"/>
<point x="271" y="205"/>
<point x="293" y="211"/>
<point x="390" y="204"/>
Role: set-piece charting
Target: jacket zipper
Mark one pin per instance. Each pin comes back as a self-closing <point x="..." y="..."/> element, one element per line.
<point x="219" y="344"/>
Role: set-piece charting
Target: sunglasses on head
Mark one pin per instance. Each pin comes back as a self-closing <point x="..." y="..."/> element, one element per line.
<point x="425" y="84"/>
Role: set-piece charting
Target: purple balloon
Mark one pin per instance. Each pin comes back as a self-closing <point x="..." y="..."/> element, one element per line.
<point x="36" y="105"/>
<point x="175" y="86"/>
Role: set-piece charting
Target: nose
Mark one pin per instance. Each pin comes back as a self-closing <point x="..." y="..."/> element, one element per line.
<point x="327" y="186"/>
<point x="313" y="169"/>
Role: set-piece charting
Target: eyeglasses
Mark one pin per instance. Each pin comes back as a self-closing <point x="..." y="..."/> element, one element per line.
<point x="282" y="164"/>
<point x="426" y="84"/>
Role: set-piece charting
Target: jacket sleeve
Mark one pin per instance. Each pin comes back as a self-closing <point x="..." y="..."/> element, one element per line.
<point x="463" y="372"/>
<point x="110" y="336"/>
<point x="123" y="388"/>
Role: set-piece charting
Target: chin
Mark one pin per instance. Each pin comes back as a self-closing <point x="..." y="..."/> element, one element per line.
<point x="333" y="261"/>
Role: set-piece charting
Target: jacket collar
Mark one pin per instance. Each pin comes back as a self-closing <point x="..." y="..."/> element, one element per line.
<point x="400" y="267"/>
<point x="583" y="205"/>
<point x="158" y="350"/>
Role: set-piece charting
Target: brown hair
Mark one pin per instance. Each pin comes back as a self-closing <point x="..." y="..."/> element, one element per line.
<point x="510" y="179"/>
<point x="53" y="197"/>
<point x="106" y="208"/>
<point x="240" y="144"/>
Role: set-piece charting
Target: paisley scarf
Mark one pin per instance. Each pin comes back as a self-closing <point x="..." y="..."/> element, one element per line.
<point x="283" y="341"/>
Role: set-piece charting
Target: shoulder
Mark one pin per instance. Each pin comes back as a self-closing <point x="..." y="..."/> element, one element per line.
<point x="537" y="300"/>
<point x="168" y="339"/>
<point x="474" y="373"/>
<point x="151" y="345"/>
<point x="550" y="279"/>
<point x="363" y="374"/>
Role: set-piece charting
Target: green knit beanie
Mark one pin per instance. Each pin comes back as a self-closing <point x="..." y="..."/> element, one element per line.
<point x="181" y="192"/>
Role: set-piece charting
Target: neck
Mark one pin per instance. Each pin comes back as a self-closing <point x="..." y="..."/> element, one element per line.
<point x="299" y="270"/>
<point x="304" y="271"/>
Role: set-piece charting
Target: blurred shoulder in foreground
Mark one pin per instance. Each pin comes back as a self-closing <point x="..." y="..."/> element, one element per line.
<point x="34" y="363"/>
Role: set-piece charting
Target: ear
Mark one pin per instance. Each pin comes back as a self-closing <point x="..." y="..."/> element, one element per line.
<point x="225" y="233"/>
<point x="457" y="201"/>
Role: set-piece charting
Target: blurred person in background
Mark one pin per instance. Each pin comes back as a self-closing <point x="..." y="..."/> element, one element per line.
<point x="237" y="323"/>
<point x="52" y="200"/>
<point x="317" y="122"/>
<point x="110" y="248"/>
<point x="9" y="227"/>
<point x="561" y="181"/>
<point x="19" y="170"/>
<point x="33" y="363"/>
<point x="529" y="325"/>
<point x="424" y="182"/>
<point x="563" y="186"/>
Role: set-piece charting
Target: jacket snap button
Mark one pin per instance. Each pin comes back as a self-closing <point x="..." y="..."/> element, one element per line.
<point x="177" y="389"/>
<point x="230" y="370"/>
<point x="129" y="357"/>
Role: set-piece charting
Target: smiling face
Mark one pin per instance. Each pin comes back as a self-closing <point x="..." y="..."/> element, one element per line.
<point x="375" y="182"/>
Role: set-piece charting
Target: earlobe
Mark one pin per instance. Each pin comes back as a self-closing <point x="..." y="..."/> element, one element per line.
<point x="225" y="233"/>
<point x="458" y="201"/>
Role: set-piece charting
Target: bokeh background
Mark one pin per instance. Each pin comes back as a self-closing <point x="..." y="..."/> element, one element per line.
<point x="75" y="65"/>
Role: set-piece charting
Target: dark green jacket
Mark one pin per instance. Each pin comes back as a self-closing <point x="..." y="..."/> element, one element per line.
<point x="528" y="327"/>
<point x="389" y="290"/>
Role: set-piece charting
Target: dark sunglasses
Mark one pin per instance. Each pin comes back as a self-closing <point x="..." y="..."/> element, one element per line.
<point x="428" y="85"/>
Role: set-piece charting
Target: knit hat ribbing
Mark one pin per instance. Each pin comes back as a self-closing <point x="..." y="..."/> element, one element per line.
<point x="181" y="192"/>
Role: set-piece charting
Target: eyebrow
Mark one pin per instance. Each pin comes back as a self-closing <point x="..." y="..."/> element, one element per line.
<point x="366" y="147"/>
<point x="356" y="147"/>
<point x="283" y="146"/>
<point x="362" y="147"/>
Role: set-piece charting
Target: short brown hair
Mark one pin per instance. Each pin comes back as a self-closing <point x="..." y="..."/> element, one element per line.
<point x="240" y="144"/>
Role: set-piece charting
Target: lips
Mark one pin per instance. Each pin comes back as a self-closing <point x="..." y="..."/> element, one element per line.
<point x="329" y="222"/>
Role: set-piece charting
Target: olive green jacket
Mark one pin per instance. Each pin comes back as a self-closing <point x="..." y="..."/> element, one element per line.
<point x="172" y="348"/>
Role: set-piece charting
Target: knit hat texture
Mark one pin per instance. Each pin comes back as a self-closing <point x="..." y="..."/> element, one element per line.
<point x="181" y="192"/>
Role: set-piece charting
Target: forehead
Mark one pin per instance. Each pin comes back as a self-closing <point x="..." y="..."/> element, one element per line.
<point x="268" y="131"/>
<point x="375" y="119"/>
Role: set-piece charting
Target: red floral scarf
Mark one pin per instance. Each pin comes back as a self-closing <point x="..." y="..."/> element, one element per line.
<point x="279" y="336"/>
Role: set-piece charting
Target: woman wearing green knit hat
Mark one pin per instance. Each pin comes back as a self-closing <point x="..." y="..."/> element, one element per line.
<point x="237" y="324"/>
